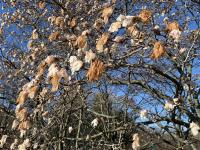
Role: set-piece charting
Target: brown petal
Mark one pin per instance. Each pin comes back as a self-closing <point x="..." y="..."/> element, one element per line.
<point x="145" y="15"/>
<point x="173" y="26"/>
<point x="95" y="71"/>
<point x="158" y="50"/>
<point x="54" y="36"/>
<point x="55" y="80"/>
<point x="102" y="41"/>
<point x="22" y="97"/>
<point x="81" y="41"/>
<point x="107" y="12"/>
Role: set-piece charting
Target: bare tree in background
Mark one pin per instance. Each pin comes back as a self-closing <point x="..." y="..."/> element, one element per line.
<point x="94" y="74"/>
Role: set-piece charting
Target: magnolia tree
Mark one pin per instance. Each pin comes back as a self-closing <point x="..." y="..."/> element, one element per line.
<point x="91" y="74"/>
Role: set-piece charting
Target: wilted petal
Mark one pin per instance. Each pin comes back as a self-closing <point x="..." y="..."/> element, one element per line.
<point x="114" y="26"/>
<point x="89" y="56"/>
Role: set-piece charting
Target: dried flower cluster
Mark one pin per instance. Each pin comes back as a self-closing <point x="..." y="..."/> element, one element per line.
<point x="128" y="22"/>
<point x="29" y="91"/>
<point x="21" y="120"/>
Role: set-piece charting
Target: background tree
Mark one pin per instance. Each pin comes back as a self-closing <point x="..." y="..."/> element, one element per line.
<point x="118" y="74"/>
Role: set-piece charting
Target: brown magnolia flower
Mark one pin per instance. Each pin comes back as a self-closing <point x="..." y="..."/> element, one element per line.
<point x="158" y="50"/>
<point x="22" y="114"/>
<point x="59" y="21"/>
<point x="22" y="97"/>
<point x="41" y="69"/>
<point x="133" y="31"/>
<point x="81" y="41"/>
<point x="54" y="36"/>
<point x="145" y="15"/>
<point x="102" y="41"/>
<point x="41" y="5"/>
<point x="72" y="23"/>
<point x="55" y="80"/>
<point x="32" y="91"/>
<point x="98" y="24"/>
<point x="172" y="26"/>
<point x="95" y="71"/>
<point x="107" y="12"/>
<point x="51" y="59"/>
<point x="24" y="125"/>
<point x="115" y="26"/>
